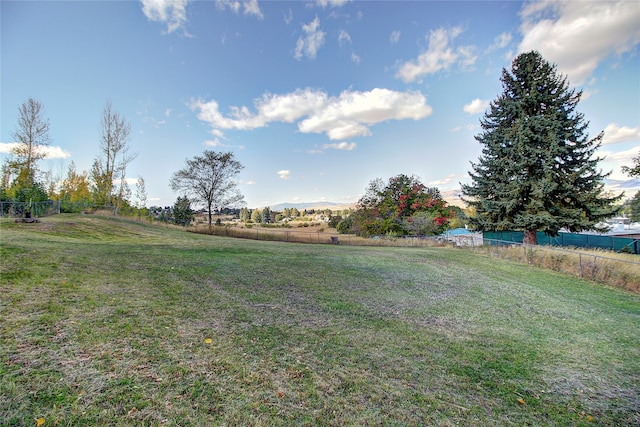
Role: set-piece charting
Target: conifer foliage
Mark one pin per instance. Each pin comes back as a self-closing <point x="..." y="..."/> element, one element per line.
<point x="537" y="171"/>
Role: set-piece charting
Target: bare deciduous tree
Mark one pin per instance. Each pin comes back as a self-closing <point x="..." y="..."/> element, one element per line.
<point x="210" y="179"/>
<point x="31" y="135"/>
<point x="109" y="168"/>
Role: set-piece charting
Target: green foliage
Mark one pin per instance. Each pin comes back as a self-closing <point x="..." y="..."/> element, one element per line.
<point x="35" y="193"/>
<point x="256" y="215"/>
<point x="537" y="170"/>
<point x="345" y="226"/>
<point x="182" y="212"/>
<point x="403" y="206"/>
<point x="266" y="216"/>
<point x="634" y="207"/>
<point x="634" y="170"/>
<point x="75" y="193"/>
<point x="245" y="214"/>
<point x="334" y="220"/>
<point x="460" y="218"/>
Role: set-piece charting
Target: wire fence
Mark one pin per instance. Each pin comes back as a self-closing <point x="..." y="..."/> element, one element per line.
<point x="600" y="265"/>
<point x="317" y="236"/>
<point x="12" y="209"/>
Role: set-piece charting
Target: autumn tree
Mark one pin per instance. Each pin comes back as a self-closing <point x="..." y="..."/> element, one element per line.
<point x="537" y="171"/>
<point x="20" y="172"/>
<point x="75" y="192"/>
<point x="109" y="169"/>
<point x="256" y="216"/>
<point x="210" y="179"/>
<point x="31" y="135"/>
<point x="403" y="205"/>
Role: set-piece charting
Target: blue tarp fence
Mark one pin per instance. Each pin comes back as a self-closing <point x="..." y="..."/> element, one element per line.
<point x="578" y="240"/>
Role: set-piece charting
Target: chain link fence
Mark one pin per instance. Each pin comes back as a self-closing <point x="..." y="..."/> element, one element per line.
<point x="10" y="209"/>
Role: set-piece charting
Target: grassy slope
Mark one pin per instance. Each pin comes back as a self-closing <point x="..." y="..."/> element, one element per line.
<point x="115" y="323"/>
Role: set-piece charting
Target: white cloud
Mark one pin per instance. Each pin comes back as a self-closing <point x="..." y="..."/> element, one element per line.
<point x="501" y="41"/>
<point x="444" y="181"/>
<point x="213" y="143"/>
<point x="351" y="113"/>
<point x="288" y="17"/>
<point x="614" y="134"/>
<point x="249" y="7"/>
<point x="284" y="174"/>
<point x="312" y="41"/>
<point x="578" y="35"/>
<point x="394" y="37"/>
<point x="332" y="3"/>
<point x="170" y="12"/>
<point x="469" y="127"/>
<point x="167" y="112"/>
<point x="50" y="152"/>
<point x="355" y="58"/>
<point x="440" y="56"/>
<point x="476" y="106"/>
<point x="55" y="152"/>
<point x="346" y="116"/>
<point x="586" y="94"/>
<point x="613" y="161"/>
<point x="348" y="146"/>
<point x="251" y="182"/>
<point x="343" y="37"/>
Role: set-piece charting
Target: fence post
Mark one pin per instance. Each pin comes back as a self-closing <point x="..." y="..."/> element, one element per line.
<point x="580" y="262"/>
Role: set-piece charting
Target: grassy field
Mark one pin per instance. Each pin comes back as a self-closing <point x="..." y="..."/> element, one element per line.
<point x="109" y="322"/>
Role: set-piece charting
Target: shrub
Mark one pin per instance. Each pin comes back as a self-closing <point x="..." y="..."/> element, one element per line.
<point x="345" y="226"/>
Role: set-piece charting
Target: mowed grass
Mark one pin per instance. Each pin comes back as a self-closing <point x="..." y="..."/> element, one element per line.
<point x="110" y="322"/>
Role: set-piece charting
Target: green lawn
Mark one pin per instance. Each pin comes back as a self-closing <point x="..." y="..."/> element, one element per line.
<point x="109" y="322"/>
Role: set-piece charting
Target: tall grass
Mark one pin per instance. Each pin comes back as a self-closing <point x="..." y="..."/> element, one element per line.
<point x="607" y="267"/>
<point x="316" y="235"/>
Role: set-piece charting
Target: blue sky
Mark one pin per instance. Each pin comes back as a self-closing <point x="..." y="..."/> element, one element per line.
<point x="314" y="98"/>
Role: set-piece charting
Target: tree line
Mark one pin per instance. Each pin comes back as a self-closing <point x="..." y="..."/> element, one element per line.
<point x="104" y="186"/>
<point x="537" y="171"/>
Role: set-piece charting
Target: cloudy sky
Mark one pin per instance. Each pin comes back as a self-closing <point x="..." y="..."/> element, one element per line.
<point x="314" y="98"/>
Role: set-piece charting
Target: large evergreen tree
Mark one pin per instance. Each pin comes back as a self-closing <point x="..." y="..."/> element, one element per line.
<point x="537" y="171"/>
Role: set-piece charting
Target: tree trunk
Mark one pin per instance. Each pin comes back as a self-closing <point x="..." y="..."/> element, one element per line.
<point x="530" y="237"/>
